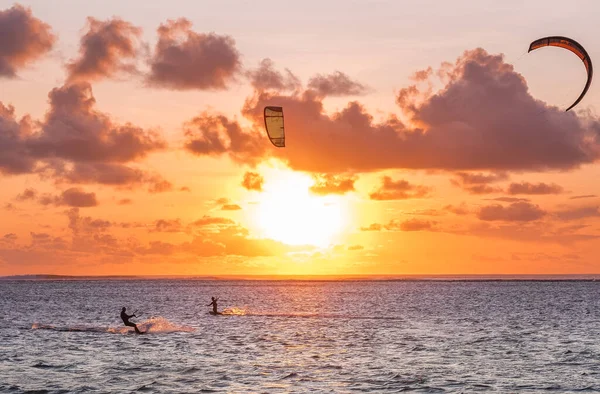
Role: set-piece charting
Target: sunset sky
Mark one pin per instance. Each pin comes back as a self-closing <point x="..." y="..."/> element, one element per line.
<point x="421" y="138"/>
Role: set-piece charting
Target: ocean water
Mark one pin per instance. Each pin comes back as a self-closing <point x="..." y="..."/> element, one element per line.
<point x="291" y="336"/>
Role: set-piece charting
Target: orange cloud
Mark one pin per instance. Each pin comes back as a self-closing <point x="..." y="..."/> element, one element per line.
<point x="461" y="209"/>
<point x="92" y="241"/>
<point x="9" y="238"/>
<point x="159" y="185"/>
<point x="410" y="225"/>
<point x="214" y="236"/>
<point x="425" y="212"/>
<point x="73" y="197"/>
<point x="253" y="181"/>
<point x="508" y="199"/>
<point x="515" y="212"/>
<point x="469" y="178"/>
<point x="483" y="112"/>
<point x="372" y="227"/>
<point x="73" y="130"/>
<point x="114" y="174"/>
<point x="530" y="188"/>
<point x="265" y="77"/>
<point x="214" y="135"/>
<point x="75" y="143"/>
<point x="336" y="84"/>
<point x="86" y="224"/>
<point x="398" y="190"/>
<point x="230" y="207"/>
<point x="479" y="183"/>
<point x="333" y="184"/>
<point x="579" y="213"/>
<point x="76" y="197"/>
<point x="184" y="59"/>
<point x="104" y="48"/>
<point x="168" y="226"/>
<point x="14" y="153"/>
<point x="211" y="220"/>
<point x="532" y="231"/>
<point x="422" y="75"/>
<point x="23" y="39"/>
<point x="407" y="225"/>
<point x="28" y="194"/>
<point x="47" y="242"/>
<point x="583" y="196"/>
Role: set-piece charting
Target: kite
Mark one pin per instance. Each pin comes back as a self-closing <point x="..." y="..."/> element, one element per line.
<point x="274" y="125"/>
<point x="576" y="48"/>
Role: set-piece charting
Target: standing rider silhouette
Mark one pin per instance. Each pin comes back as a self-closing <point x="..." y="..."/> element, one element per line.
<point x="214" y="305"/>
<point x="126" y="321"/>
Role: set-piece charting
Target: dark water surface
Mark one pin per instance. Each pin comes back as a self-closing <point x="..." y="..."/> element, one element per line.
<point x="289" y="336"/>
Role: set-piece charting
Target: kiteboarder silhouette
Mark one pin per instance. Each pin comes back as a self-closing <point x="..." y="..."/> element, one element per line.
<point x="126" y="321"/>
<point x="214" y="305"/>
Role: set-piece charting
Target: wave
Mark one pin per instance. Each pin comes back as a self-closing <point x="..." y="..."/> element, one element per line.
<point x="233" y="311"/>
<point x="154" y="325"/>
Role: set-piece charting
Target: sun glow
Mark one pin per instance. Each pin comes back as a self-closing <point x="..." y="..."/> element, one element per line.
<point x="288" y="212"/>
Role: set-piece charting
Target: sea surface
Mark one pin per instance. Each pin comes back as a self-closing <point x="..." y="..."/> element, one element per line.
<point x="300" y="336"/>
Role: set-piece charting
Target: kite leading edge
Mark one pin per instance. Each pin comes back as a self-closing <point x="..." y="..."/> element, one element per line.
<point x="576" y="48"/>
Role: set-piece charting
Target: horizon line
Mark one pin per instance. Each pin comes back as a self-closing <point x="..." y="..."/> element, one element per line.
<point x="321" y="277"/>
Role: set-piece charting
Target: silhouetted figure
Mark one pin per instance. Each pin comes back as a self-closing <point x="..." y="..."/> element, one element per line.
<point x="214" y="305"/>
<point x="126" y="321"/>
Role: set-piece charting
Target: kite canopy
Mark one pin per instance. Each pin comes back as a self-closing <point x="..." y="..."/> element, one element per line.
<point x="573" y="46"/>
<point x="274" y="125"/>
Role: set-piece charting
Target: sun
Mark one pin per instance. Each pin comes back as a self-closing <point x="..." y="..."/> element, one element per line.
<point x="288" y="212"/>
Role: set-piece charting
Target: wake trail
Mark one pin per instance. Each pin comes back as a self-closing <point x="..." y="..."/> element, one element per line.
<point x="153" y="325"/>
<point x="307" y="315"/>
<point x="234" y="311"/>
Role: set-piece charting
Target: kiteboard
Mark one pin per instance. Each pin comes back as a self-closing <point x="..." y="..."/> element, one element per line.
<point x="215" y="314"/>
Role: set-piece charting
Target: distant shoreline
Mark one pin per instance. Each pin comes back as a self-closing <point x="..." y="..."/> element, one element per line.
<point x="316" y="278"/>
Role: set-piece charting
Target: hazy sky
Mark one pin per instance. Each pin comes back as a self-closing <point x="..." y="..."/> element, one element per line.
<point x="421" y="138"/>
